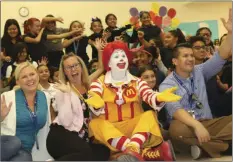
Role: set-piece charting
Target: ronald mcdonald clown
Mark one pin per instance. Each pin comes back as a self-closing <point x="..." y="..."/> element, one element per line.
<point x="120" y="122"/>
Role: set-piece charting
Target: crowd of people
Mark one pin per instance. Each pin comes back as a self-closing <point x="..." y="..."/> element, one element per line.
<point x="138" y="96"/>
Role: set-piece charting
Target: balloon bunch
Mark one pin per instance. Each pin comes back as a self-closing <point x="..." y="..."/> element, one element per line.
<point x="160" y="16"/>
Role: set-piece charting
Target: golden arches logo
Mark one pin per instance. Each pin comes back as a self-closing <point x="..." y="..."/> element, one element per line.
<point x="130" y="92"/>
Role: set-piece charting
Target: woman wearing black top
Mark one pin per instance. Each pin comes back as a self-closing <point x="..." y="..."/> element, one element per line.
<point x="11" y="36"/>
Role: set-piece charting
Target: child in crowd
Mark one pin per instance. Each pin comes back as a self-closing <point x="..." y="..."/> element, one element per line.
<point x="97" y="28"/>
<point x="20" y="55"/>
<point x="148" y="74"/>
<point x="35" y="37"/>
<point x="77" y="43"/>
<point x="54" y="47"/>
<point x="45" y="86"/>
<point x="11" y="35"/>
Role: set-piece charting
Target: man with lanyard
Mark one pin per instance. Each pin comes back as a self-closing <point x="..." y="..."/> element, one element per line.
<point x="191" y="120"/>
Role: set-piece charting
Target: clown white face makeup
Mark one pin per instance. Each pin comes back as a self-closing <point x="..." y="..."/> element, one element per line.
<point x="118" y="61"/>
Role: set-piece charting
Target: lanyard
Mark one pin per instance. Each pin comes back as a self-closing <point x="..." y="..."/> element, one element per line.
<point x="33" y="117"/>
<point x="76" y="44"/>
<point x="186" y="89"/>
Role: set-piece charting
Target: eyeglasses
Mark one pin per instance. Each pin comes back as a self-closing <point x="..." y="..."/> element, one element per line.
<point x="75" y="66"/>
<point x="200" y="47"/>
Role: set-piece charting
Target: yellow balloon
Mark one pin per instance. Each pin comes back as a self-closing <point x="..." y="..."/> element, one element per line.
<point x="175" y="22"/>
<point x="155" y="7"/>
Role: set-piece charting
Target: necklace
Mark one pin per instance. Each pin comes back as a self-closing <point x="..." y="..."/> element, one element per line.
<point x="77" y="92"/>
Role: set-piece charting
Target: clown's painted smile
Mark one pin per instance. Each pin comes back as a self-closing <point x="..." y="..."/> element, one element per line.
<point x="121" y="65"/>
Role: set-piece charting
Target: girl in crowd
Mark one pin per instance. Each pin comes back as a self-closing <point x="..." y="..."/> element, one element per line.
<point x="97" y="28"/>
<point x="68" y="136"/>
<point x="35" y="37"/>
<point x="20" y="53"/>
<point x="170" y="40"/>
<point x="54" y="47"/>
<point x="45" y="86"/>
<point x="11" y="36"/>
<point x="148" y="74"/>
<point x="77" y="43"/>
<point x="113" y="32"/>
<point x="147" y="31"/>
<point x="145" y="56"/>
<point x="206" y="33"/>
<point x="25" y="114"/>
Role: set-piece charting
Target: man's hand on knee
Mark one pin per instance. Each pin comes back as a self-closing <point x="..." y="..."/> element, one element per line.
<point x="201" y="133"/>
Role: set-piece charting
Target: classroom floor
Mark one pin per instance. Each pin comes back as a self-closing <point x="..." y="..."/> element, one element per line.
<point x="187" y="157"/>
<point x="183" y="154"/>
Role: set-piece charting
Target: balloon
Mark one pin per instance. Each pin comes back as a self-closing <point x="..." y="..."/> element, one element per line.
<point x="152" y="14"/>
<point x="171" y="12"/>
<point x="175" y="22"/>
<point x="155" y="7"/>
<point x="167" y="21"/>
<point x="162" y="11"/>
<point x="157" y="21"/>
<point x="133" y="20"/>
<point x="133" y="11"/>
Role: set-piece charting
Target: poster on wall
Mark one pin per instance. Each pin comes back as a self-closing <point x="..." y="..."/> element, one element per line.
<point x="190" y="28"/>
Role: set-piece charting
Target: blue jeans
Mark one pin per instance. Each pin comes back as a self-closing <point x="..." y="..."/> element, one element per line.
<point x="11" y="150"/>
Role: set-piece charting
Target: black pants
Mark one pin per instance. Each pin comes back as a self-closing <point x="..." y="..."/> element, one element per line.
<point x="64" y="145"/>
<point x="54" y="58"/>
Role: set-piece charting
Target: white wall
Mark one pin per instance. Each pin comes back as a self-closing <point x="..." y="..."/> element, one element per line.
<point x="84" y="11"/>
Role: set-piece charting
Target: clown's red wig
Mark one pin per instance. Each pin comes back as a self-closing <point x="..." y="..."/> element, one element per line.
<point x="109" y="49"/>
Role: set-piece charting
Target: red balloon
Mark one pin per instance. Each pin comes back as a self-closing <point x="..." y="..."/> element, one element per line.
<point x="157" y="20"/>
<point x="171" y="13"/>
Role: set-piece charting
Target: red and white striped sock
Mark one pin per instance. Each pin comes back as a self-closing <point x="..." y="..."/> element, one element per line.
<point x="139" y="138"/>
<point x="119" y="143"/>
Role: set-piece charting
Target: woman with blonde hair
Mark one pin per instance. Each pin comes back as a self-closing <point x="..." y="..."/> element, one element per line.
<point x="24" y="114"/>
<point x="68" y="138"/>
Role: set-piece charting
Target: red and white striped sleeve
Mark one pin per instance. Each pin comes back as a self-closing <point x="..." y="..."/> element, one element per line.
<point x="97" y="87"/>
<point x="148" y="95"/>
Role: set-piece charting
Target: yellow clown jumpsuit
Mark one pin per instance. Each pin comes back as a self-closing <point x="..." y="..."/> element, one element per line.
<point x="128" y="117"/>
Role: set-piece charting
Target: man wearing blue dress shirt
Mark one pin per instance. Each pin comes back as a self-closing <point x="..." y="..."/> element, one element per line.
<point x="191" y="121"/>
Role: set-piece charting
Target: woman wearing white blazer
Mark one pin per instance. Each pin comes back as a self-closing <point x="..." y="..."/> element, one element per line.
<point x="25" y="114"/>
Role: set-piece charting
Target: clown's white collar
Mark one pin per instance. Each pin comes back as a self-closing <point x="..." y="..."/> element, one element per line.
<point x="108" y="78"/>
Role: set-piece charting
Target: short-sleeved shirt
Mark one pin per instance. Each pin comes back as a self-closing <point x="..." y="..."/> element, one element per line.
<point x="37" y="50"/>
<point x="56" y="44"/>
<point x="79" y="48"/>
<point x="199" y="76"/>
